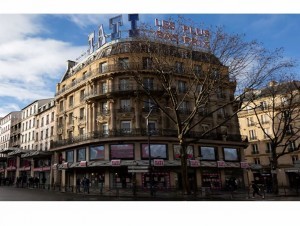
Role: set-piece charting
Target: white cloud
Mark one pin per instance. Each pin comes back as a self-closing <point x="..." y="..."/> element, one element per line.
<point x="17" y="26"/>
<point x="29" y="64"/>
<point x="4" y="110"/>
<point x="84" y="20"/>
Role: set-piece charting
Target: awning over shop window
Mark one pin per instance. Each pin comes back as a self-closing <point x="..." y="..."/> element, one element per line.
<point x="292" y="170"/>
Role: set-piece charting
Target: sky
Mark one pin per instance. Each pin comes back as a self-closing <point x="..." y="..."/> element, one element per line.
<point x="38" y="37"/>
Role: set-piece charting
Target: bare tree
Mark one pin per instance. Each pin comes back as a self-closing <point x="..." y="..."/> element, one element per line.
<point x="195" y="70"/>
<point x="278" y="106"/>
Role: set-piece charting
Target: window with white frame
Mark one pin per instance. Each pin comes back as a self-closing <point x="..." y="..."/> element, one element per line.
<point x="124" y="84"/>
<point x="126" y="126"/>
<point x="105" y="129"/>
<point x="103" y="67"/>
<point x="71" y="101"/>
<point x="250" y="121"/>
<point x="81" y="114"/>
<point x="184" y="107"/>
<point x="264" y="119"/>
<point x="289" y="130"/>
<point x="294" y="158"/>
<point x="252" y="135"/>
<point x="291" y="146"/>
<point x="147" y="63"/>
<point x="198" y="70"/>
<point x="263" y="105"/>
<point x="123" y="63"/>
<point x="254" y="149"/>
<point x="103" y="87"/>
<point x="179" y="67"/>
<point x="256" y="161"/>
<point x="148" y="83"/>
<point x="266" y="133"/>
<point x="152" y="127"/>
<point x="182" y="87"/>
<point x="125" y="105"/>
<point x="269" y="147"/>
<point x="82" y="94"/>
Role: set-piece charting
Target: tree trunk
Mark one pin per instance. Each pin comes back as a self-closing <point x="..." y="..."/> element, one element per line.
<point x="275" y="183"/>
<point x="184" y="170"/>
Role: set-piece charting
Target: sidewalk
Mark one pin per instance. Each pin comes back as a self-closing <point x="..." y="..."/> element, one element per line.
<point x="121" y="194"/>
<point x="173" y="195"/>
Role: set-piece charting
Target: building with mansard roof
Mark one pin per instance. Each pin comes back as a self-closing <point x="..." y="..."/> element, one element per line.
<point x="102" y="115"/>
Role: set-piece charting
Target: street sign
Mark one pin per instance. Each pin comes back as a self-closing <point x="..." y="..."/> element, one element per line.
<point x="138" y="170"/>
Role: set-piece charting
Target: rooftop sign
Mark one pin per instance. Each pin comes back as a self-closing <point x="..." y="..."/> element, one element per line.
<point x="166" y="30"/>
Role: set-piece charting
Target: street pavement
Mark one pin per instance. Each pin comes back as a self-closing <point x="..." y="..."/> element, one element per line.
<point x="11" y="193"/>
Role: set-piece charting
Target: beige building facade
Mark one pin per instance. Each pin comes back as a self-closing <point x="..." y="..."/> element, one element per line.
<point x="261" y="121"/>
<point x="102" y="128"/>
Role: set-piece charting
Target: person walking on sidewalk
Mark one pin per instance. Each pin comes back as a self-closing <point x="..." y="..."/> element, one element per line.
<point x="256" y="190"/>
<point x="78" y="183"/>
<point x="86" y="185"/>
<point x="101" y="181"/>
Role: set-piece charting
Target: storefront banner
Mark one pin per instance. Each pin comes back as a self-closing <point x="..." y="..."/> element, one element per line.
<point x="25" y="168"/>
<point x="46" y="168"/>
<point x="11" y="168"/>
<point x="189" y="151"/>
<point x="244" y="165"/>
<point x="38" y="169"/>
<point x="221" y="164"/>
<point x="158" y="162"/>
<point x="194" y="163"/>
<point x="122" y="151"/>
<point x="83" y="163"/>
<point x="157" y="151"/>
<point x="116" y="162"/>
<point x="97" y="152"/>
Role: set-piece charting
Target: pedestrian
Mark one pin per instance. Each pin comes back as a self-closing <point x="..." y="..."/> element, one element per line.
<point x="256" y="190"/>
<point x="44" y="181"/>
<point x="101" y="181"/>
<point x="86" y="185"/>
<point x="78" y="182"/>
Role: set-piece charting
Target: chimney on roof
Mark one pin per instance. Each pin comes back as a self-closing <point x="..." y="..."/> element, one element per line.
<point x="70" y="64"/>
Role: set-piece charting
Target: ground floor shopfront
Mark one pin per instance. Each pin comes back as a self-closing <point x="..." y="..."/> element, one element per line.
<point x="288" y="177"/>
<point x="161" y="177"/>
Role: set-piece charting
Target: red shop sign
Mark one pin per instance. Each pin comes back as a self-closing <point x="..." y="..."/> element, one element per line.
<point x="221" y="164"/>
<point x="158" y="162"/>
<point x="116" y="162"/>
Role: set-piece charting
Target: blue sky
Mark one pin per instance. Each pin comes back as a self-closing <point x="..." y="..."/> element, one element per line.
<point x="34" y="48"/>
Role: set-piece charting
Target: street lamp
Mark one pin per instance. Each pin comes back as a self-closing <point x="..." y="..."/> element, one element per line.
<point x="149" y="149"/>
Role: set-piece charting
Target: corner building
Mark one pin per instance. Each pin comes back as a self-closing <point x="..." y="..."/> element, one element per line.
<point x="102" y="128"/>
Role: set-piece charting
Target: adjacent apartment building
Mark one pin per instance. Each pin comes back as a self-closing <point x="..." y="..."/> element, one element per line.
<point x="271" y="117"/>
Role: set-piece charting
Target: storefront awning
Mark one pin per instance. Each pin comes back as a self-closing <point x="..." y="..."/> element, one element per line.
<point x="36" y="154"/>
<point x="17" y="151"/>
<point x="292" y="170"/>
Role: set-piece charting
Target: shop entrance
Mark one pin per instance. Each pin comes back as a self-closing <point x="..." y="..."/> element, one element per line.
<point x="211" y="178"/>
<point x="120" y="178"/>
<point x="191" y="178"/>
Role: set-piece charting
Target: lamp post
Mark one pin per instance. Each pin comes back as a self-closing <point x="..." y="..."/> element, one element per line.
<point x="149" y="150"/>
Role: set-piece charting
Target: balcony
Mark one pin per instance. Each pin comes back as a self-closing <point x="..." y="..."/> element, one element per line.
<point x="252" y="138"/>
<point x="142" y="132"/>
<point x="114" y="68"/>
<point x="119" y="90"/>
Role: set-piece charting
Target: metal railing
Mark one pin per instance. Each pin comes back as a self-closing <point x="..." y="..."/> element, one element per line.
<point x="143" y="132"/>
